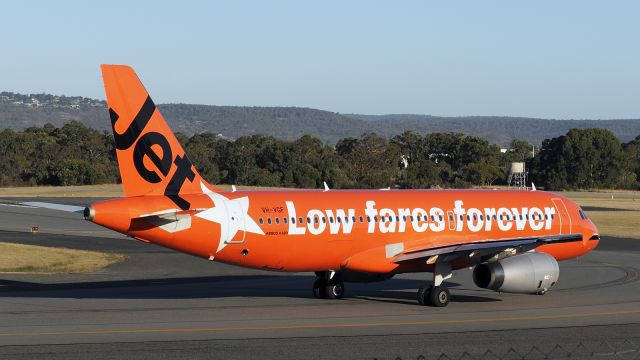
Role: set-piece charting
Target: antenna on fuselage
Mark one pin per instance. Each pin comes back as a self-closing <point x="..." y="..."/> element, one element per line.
<point x="533" y="186"/>
<point x="233" y="188"/>
<point x="326" y="187"/>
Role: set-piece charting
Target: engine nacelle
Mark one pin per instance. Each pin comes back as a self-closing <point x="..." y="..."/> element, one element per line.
<point x="528" y="273"/>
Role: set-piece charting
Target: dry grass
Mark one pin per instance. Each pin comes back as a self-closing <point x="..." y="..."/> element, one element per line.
<point x="615" y="213"/>
<point x="19" y="258"/>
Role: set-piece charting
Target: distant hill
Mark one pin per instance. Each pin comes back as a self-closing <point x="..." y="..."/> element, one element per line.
<point x="497" y="129"/>
<point x="19" y="111"/>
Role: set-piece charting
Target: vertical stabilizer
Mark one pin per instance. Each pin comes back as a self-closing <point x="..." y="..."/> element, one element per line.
<point x="150" y="158"/>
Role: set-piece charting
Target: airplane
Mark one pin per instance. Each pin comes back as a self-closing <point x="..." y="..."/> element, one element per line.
<point x="513" y="239"/>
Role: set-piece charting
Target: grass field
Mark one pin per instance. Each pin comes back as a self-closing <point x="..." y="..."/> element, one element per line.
<point x="20" y="258"/>
<point x="614" y="213"/>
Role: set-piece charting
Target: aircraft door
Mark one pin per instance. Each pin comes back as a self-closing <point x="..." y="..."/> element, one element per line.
<point x="235" y="221"/>
<point x="563" y="216"/>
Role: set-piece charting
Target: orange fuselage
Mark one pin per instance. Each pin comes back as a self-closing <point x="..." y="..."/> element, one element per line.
<point x="308" y="230"/>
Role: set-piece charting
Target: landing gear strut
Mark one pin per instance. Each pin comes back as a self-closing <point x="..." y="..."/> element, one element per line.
<point x="328" y="286"/>
<point x="437" y="294"/>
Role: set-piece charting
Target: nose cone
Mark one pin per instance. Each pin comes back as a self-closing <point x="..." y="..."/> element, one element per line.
<point x="591" y="235"/>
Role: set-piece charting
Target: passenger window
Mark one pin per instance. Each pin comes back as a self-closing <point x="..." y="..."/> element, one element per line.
<point x="261" y="221"/>
<point x="339" y="219"/>
<point x="390" y="219"/>
<point x="461" y="218"/>
<point x="451" y="218"/>
<point x="277" y="220"/>
<point x="331" y="219"/>
<point x="440" y="217"/>
<point x="309" y="220"/>
<point x="284" y="220"/>
<point x="300" y="220"/>
<point x="382" y="218"/>
<point x="375" y="218"/>
<point x="269" y="221"/>
<point x="404" y="218"/>
<point x="324" y="220"/>
<point x="368" y="219"/>
<point x="397" y="218"/>
<point x="361" y="219"/>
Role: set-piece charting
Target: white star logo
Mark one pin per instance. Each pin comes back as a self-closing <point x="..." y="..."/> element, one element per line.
<point x="230" y="214"/>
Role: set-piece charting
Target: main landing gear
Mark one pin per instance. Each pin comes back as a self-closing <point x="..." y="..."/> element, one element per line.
<point x="328" y="286"/>
<point x="437" y="294"/>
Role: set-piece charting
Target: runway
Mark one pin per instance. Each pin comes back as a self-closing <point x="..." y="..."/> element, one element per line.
<point x="160" y="303"/>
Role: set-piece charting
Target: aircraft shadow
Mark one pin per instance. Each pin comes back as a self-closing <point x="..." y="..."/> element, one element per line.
<point x="296" y="286"/>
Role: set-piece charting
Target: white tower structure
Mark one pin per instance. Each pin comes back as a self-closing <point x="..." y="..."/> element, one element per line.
<point x="517" y="176"/>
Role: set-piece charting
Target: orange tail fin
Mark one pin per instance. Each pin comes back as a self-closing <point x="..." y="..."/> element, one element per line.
<point x="150" y="158"/>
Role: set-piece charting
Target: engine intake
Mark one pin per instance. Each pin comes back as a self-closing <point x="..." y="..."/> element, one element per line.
<point x="528" y="273"/>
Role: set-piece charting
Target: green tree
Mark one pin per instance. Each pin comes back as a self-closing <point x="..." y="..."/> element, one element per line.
<point x="581" y="159"/>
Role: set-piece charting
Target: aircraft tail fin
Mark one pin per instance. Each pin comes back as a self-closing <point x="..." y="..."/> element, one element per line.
<point x="150" y="158"/>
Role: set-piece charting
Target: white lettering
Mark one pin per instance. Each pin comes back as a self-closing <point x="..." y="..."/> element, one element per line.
<point x="371" y="213"/>
<point x="548" y="212"/>
<point x="503" y="223"/>
<point x="388" y="223"/>
<point x="459" y="211"/>
<point x="417" y="215"/>
<point x="521" y="218"/>
<point x="535" y="221"/>
<point x="438" y="215"/>
<point x="489" y="214"/>
<point x="475" y="223"/>
<point x="316" y="226"/>
<point x="404" y="215"/>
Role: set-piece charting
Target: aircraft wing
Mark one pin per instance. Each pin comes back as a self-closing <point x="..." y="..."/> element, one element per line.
<point x="484" y="250"/>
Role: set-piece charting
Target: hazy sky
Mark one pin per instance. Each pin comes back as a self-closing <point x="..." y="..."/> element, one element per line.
<point x="551" y="59"/>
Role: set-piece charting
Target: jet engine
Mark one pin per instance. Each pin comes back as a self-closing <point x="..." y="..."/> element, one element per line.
<point x="529" y="273"/>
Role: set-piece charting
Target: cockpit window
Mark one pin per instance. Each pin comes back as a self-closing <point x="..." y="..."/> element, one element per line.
<point x="583" y="216"/>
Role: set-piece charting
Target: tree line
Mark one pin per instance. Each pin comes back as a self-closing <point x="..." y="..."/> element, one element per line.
<point x="582" y="159"/>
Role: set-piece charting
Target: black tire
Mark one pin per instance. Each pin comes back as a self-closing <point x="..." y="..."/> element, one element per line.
<point x="439" y="296"/>
<point x="423" y="295"/>
<point x="319" y="289"/>
<point x="334" y="290"/>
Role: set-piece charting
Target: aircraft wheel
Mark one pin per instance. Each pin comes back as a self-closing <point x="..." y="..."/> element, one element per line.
<point x="334" y="290"/>
<point x="423" y="295"/>
<point x="439" y="296"/>
<point x="319" y="289"/>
